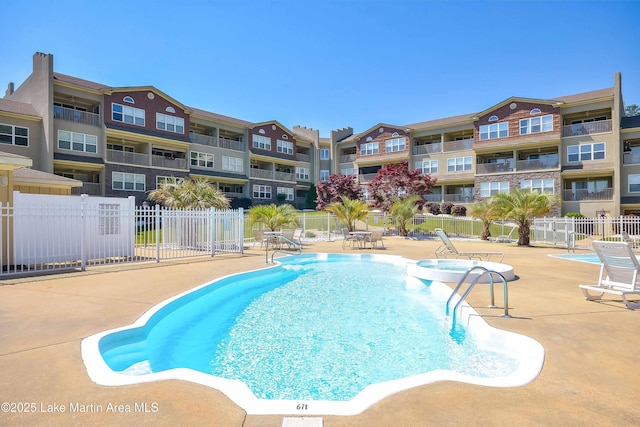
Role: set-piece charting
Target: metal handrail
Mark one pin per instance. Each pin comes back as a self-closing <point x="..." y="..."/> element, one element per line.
<point x="296" y="245"/>
<point x="484" y="272"/>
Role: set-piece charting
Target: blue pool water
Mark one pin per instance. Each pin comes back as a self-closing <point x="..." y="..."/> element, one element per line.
<point x="588" y="258"/>
<point x="308" y="329"/>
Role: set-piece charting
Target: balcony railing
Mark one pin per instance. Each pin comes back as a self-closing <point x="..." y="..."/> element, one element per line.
<point x="465" y="144"/>
<point x="71" y="115"/>
<point x="529" y="165"/>
<point x="433" y="198"/>
<point x="427" y="148"/>
<point x="90" y="188"/>
<point x="458" y="198"/>
<point x="231" y="194"/>
<point x="261" y="173"/>
<point x="631" y="158"/>
<point x="494" y="168"/>
<point x="127" y="157"/>
<point x="366" y="177"/>
<point x="213" y="141"/>
<point x="348" y="158"/>
<point x="302" y="157"/>
<point x="587" y="128"/>
<point x="164" y="162"/>
<point x="582" y="195"/>
<point x="285" y="176"/>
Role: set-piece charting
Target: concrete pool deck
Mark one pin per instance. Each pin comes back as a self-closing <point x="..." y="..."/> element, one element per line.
<point x="590" y="375"/>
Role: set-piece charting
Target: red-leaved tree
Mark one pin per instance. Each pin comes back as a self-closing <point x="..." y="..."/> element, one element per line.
<point x="396" y="180"/>
<point x="337" y="185"/>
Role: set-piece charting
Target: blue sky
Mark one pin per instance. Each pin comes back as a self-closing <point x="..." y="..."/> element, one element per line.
<point x="330" y="64"/>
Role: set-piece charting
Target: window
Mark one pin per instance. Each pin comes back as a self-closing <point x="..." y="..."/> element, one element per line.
<point x="126" y="114"/>
<point x="234" y="164"/>
<point x="127" y="181"/>
<point x="396" y="144"/>
<point x="118" y="147"/>
<point x="536" y="125"/>
<point x="493" y="119"/>
<point x="285" y="147"/>
<point x="634" y="183"/>
<point x="129" y="100"/>
<point x="495" y="130"/>
<point x="535" y="111"/>
<point x="14" y="135"/>
<point x="162" y="180"/>
<point x="584" y="152"/>
<point x="77" y="142"/>
<point x="324" y="175"/>
<point x="324" y="154"/>
<point x="459" y="164"/>
<point x="286" y="191"/>
<point x="261" y="191"/>
<point x="488" y="189"/>
<point x="261" y="142"/>
<point x="542" y="185"/>
<point x="169" y="123"/>
<point x="369" y="149"/>
<point x="203" y="160"/>
<point x="109" y="215"/>
<point x="427" y="166"/>
<point x="302" y="173"/>
<point x="349" y="171"/>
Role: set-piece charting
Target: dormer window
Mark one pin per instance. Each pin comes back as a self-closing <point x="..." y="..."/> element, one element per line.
<point x="128" y="99"/>
<point x="170" y="110"/>
<point x="369" y="139"/>
<point x="395" y="134"/>
<point x="261" y="132"/>
<point x="493" y="119"/>
<point x="285" y="136"/>
<point x="535" y="111"/>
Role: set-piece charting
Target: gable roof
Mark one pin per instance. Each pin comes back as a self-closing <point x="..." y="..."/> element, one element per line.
<point x="15" y="107"/>
<point x="79" y="82"/>
<point x="219" y="117"/>
<point x="446" y="121"/>
<point x="28" y="175"/>
<point x="630" y="122"/>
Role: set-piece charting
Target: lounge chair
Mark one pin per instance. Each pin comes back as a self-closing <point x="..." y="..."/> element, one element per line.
<point x="297" y="236"/>
<point x="618" y="273"/>
<point x="505" y="238"/>
<point x="632" y="240"/>
<point x="347" y="237"/>
<point x="447" y="248"/>
<point x="375" y="238"/>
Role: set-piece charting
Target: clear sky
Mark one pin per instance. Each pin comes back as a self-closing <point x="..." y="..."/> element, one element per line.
<point x="329" y="64"/>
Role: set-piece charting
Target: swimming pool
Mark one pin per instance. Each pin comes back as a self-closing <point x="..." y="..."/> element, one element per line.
<point x="318" y="334"/>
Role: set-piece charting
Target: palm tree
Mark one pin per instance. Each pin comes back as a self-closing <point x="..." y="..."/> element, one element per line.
<point x="348" y="210"/>
<point x="274" y="216"/>
<point x="522" y="205"/>
<point x="193" y="193"/>
<point x="402" y="211"/>
<point x="486" y="212"/>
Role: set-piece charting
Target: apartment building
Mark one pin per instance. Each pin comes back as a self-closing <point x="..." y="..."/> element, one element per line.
<point x="126" y="141"/>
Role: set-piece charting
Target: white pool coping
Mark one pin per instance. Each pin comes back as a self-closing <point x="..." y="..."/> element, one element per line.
<point x="430" y="270"/>
<point x="529" y="352"/>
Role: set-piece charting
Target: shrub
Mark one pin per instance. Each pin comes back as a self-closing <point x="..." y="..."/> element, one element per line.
<point x="445" y="208"/>
<point x="459" y="210"/>
<point x="574" y="215"/>
<point x="433" y="208"/>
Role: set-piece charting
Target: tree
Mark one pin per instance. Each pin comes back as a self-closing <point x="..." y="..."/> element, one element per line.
<point x="274" y="216"/>
<point x="632" y="110"/>
<point x="335" y="187"/>
<point x="312" y="196"/>
<point x="486" y="212"/>
<point x="521" y="206"/>
<point x="396" y="180"/>
<point x="349" y="210"/>
<point x="402" y="211"/>
<point x="193" y="193"/>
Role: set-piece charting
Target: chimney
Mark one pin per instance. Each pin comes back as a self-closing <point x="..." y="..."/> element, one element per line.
<point x="9" y="91"/>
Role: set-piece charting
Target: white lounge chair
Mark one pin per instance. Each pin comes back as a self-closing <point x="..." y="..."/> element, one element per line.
<point x="447" y="248"/>
<point x="506" y="238"/>
<point x="618" y="274"/>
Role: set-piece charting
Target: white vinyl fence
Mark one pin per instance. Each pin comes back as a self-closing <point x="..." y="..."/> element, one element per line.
<point x="41" y="233"/>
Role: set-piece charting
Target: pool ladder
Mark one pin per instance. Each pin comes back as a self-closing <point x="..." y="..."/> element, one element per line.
<point x="290" y="242"/>
<point x="483" y="272"/>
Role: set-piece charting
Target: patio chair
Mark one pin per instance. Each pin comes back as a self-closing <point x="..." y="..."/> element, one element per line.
<point x="297" y="236"/>
<point x="258" y="237"/>
<point x="631" y="240"/>
<point x="618" y="273"/>
<point x="375" y="238"/>
<point x="505" y="238"/>
<point x="347" y="237"/>
<point x="447" y="248"/>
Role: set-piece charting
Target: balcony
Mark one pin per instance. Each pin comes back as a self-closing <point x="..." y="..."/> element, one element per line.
<point x="213" y="141"/>
<point x="587" y="195"/>
<point x="168" y="163"/>
<point x="128" y="158"/>
<point x="349" y="158"/>
<point x="465" y="144"/>
<point x="494" y="168"/>
<point x="433" y="198"/>
<point x="261" y="173"/>
<point x="233" y="195"/>
<point x="89" y="188"/>
<point x="458" y="198"/>
<point x="366" y="177"/>
<point x="530" y="165"/>
<point x="71" y="115"/>
<point x="588" y="128"/>
<point x="301" y="157"/>
<point x="427" y="148"/>
<point x="631" y="158"/>
<point x="285" y="176"/>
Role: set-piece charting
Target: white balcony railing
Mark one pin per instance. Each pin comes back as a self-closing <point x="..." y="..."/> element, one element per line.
<point x="577" y="129"/>
<point x="213" y="141"/>
<point x="465" y="144"/>
<point x="71" y="115"/>
<point x="230" y="144"/>
<point x="164" y="162"/>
